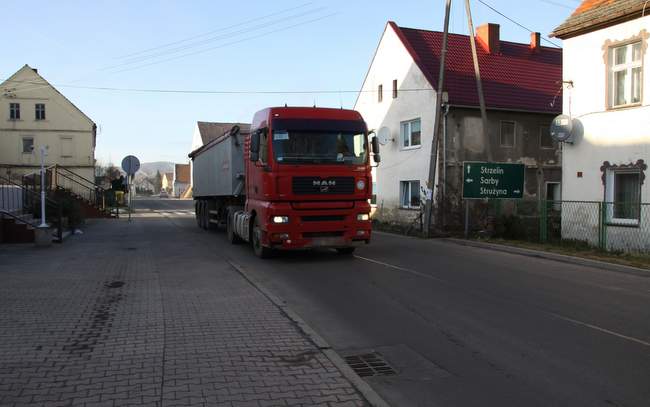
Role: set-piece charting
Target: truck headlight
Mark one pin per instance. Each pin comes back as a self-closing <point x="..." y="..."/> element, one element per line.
<point x="280" y="219"/>
<point x="363" y="217"/>
<point x="361" y="184"/>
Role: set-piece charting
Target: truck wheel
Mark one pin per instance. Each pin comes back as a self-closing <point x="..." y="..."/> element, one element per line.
<point x="345" y="250"/>
<point x="197" y="213"/>
<point x="230" y="230"/>
<point x="205" y="215"/>
<point x="260" y="251"/>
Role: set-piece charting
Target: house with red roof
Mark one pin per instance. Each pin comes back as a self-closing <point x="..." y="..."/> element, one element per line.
<point x="522" y="88"/>
<point x="607" y="81"/>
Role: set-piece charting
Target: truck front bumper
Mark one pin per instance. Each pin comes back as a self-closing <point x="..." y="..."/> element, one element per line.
<point x="333" y="228"/>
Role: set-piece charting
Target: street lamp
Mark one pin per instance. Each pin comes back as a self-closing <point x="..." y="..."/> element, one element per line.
<point x="43" y="154"/>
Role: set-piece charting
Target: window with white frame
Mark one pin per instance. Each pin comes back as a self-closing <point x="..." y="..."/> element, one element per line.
<point x="410" y="133"/>
<point x="409" y="194"/>
<point x="625" y="74"/>
<point x="66" y="146"/>
<point x="623" y="196"/>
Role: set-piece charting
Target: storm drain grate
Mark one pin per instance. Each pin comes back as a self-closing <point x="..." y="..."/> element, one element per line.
<point x="370" y="364"/>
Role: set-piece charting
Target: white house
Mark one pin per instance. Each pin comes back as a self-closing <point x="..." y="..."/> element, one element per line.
<point x="34" y="114"/>
<point x="398" y="100"/>
<point x="607" y="83"/>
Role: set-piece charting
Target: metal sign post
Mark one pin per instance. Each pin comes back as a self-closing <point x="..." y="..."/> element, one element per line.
<point x="130" y="165"/>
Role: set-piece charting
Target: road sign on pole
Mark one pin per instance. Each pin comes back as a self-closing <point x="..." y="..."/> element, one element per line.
<point x="493" y="180"/>
<point x="130" y="164"/>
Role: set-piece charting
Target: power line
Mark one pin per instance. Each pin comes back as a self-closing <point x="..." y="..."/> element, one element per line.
<point x="195" y="44"/>
<point x="214" y="92"/>
<point x="214" y="31"/>
<point x="227" y="44"/>
<point x="515" y="22"/>
<point x="554" y="3"/>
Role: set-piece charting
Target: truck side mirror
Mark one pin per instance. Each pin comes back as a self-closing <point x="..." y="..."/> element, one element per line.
<point x="375" y="149"/>
<point x="255" y="146"/>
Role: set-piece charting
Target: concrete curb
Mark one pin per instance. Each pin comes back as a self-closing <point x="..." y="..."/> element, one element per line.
<point x="371" y="396"/>
<point x="619" y="268"/>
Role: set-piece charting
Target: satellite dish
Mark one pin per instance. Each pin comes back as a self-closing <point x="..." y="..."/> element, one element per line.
<point x="562" y="129"/>
<point x="383" y="135"/>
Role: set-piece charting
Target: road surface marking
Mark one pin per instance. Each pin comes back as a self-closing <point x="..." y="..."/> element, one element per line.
<point x="417" y="273"/>
<point x="597" y="328"/>
<point x="558" y="316"/>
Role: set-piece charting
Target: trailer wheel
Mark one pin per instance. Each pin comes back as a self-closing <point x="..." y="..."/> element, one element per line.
<point x="345" y="250"/>
<point x="197" y="212"/>
<point x="230" y="230"/>
<point x="260" y="251"/>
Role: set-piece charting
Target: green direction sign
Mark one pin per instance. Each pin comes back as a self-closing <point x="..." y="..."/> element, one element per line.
<point x="493" y="180"/>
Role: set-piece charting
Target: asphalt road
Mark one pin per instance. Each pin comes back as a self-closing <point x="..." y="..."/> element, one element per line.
<point x="464" y="326"/>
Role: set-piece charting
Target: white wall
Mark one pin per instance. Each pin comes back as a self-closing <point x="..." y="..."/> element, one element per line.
<point x="392" y="61"/>
<point x="620" y="136"/>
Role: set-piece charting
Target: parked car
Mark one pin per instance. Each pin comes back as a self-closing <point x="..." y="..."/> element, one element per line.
<point x="164" y="194"/>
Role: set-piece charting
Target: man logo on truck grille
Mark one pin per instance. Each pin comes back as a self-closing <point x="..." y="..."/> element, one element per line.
<point x="324" y="185"/>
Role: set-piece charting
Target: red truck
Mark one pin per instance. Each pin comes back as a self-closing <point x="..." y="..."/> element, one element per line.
<point x="299" y="178"/>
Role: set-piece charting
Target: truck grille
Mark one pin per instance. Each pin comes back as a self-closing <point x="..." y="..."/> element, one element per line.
<point x="322" y="186"/>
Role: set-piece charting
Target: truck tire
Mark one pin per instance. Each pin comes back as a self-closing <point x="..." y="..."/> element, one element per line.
<point x="345" y="251"/>
<point x="230" y="230"/>
<point x="197" y="212"/>
<point x="260" y="251"/>
<point x="205" y="215"/>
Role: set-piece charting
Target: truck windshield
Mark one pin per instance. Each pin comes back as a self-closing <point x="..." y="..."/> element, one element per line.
<point x="319" y="147"/>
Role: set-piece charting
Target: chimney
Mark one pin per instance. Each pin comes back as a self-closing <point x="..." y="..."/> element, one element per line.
<point x="488" y="37"/>
<point x="535" y="41"/>
<point x="35" y="70"/>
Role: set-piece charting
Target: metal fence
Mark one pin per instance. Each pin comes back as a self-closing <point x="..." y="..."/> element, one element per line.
<point x="609" y="226"/>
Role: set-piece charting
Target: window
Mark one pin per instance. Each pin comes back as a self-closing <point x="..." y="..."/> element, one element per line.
<point x="373" y="199"/>
<point x="14" y="111"/>
<point x="28" y="145"/>
<point x="545" y="139"/>
<point x="66" y="147"/>
<point x="394" y="88"/>
<point x="625" y="74"/>
<point x="380" y="93"/>
<point x="410" y="133"/>
<point x="264" y="146"/>
<point x="623" y="196"/>
<point x="410" y="194"/>
<point x="40" y="111"/>
<point x="507" y="135"/>
<point x="554" y="195"/>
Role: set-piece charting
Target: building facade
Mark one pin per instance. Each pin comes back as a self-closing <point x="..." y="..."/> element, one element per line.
<point x="33" y="114"/>
<point x="398" y="100"/>
<point x="607" y="79"/>
<point x="181" y="179"/>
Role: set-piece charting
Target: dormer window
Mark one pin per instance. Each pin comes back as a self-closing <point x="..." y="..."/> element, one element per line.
<point x="625" y="81"/>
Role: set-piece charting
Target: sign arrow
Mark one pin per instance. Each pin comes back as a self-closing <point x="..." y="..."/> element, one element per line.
<point x="469" y="180"/>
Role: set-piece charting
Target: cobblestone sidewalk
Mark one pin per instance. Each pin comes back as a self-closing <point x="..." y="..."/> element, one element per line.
<point x="147" y="314"/>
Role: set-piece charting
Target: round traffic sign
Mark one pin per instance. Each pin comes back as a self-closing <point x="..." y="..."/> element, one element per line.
<point x="130" y="164"/>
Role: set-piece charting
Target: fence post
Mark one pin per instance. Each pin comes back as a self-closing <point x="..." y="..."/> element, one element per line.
<point x="602" y="225"/>
<point x="543" y="221"/>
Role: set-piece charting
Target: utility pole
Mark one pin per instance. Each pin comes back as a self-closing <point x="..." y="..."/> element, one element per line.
<point x="433" y="160"/>
<point x="479" y="86"/>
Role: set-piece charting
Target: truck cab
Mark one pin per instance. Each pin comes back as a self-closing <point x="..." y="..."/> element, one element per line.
<point x="308" y="180"/>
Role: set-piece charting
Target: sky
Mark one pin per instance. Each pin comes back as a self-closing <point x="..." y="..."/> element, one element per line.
<point x="252" y="45"/>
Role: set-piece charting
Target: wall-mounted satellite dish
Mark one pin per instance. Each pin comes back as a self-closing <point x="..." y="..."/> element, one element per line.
<point x="383" y="135"/>
<point x="562" y="129"/>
